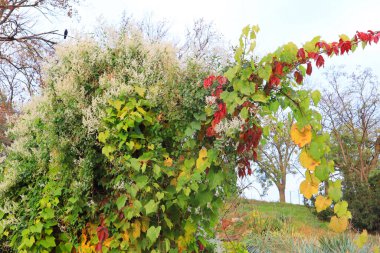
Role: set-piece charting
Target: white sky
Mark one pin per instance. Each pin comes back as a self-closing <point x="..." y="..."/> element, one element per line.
<point x="280" y="21"/>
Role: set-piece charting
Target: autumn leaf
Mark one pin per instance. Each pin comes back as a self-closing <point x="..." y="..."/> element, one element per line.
<point x="201" y="158"/>
<point x="300" y="137"/>
<point x="168" y="162"/>
<point x="322" y="203"/>
<point x="319" y="61"/>
<point x="309" y="186"/>
<point x="338" y="224"/>
<point x="298" y="76"/>
<point x="307" y="161"/>
<point x="136" y="229"/>
<point x="309" y="68"/>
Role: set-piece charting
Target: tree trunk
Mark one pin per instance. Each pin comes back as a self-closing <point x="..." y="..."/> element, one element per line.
<point x="281" y="191"/>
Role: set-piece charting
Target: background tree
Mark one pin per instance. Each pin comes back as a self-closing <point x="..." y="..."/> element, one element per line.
<point x="277" y="156"/>
<point x="351" y="110"/>
<point x="24" y="44"/>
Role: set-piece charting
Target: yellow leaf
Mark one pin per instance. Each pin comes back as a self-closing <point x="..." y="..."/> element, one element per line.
<point x="322" y="203"/>
<point x="181" y="244"/>
<point x="338" y="224"/>
<point x="108" y="241"/>
<point x="125" y="236"/>
<point x="201" y="158"/>
<point x="300" y="137"/>
<point x="190" y="229"/>
<point x="136" y="229"/>
<point x="307" y="161"/>
<point x="168" y="162"/>
<point x="376" y="249"/>
<point x="362" y="239"/>
<point x="309" y="186"/>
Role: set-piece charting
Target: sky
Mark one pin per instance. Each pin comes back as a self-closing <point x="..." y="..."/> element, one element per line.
<point x="280" y="21"/>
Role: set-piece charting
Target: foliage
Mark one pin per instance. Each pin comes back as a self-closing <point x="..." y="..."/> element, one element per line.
<point x="115" y="157"/>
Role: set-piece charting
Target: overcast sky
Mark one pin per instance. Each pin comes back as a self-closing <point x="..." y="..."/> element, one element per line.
<point x="280" y="21"/>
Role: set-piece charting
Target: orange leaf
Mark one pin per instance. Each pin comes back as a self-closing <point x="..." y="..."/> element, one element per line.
<point x="168" y="162"/>
<point x="338" y="224"/>
<point x="307" y="161"/>
<point x="300" y="137"/>
<point x="322" y="203"/>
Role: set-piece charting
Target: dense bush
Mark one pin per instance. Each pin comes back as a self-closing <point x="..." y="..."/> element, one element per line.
<point x="91" y="166"/>
<point x="364" y="199"/>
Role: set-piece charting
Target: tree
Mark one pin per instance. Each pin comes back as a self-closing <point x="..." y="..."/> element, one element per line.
<point x="277" y="155"/>
<point x="23" y="47"/>
<point x="351" y="110"/>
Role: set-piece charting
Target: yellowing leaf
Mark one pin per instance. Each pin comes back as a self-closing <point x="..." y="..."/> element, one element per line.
<point x="338" y="224"/>
<point x="307" y="189"/>
<point x="307" y="161"/>
<point x="300" y="137"/>
<point x="362" y="239"/>
<point x="340" y="208"/>
<point x="309" y="186"/>
<point x="108" y="241"/>
<point x="136" y="229"/>
<point x="322" y="203"/>
<point x="168" y="162"/>
<point x="125" y="236"/>
<point x="190" y="229"/>
<point x="376" y="249"/>
<point x="201" y="158"/>
<point x="181" y="244"/>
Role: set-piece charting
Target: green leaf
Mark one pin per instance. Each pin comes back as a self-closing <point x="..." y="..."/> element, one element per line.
<point x="340" y="208"/>
<point x="231" y="72"/>
<point x="116" y="104"/>
<point x="316" y="97"/>
<point x="103" y="136"/>
<point x="141" y="181"/>
<point x="260" y="96"/>
<point x="216" y="179"/>
<point x="47" y="213"/>
<point x="37" y="228"/>
<point x="29" y="242"/>
<point x="204" y="197"/>
<point x="310" y="46"/>
<point x="49" y="242"/>
<point x="151" y="207"/>
<point x="244" y="113"/>
<point x="335" y="190"/>
<point x="120" y="202"/>
<point x="153" y="233"/>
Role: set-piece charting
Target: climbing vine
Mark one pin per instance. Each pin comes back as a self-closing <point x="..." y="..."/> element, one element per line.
<point x="135" y="174"/>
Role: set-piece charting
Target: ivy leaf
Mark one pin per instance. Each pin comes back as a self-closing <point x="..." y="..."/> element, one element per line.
<point x="49" y="242"/>
<point x="153" y="233"/>
<point x="150" y="207"/>
<point x="120" y="202"/>
<point x="103" y="136"/>
<point x="47" y="214"/>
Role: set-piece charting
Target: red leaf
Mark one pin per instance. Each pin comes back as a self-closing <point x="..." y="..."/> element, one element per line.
<point x="309" y="68"/>
<point x="210" y="131"/>
<point x="301" y="53"/>
<point x="278" y="68"/>
<point x="226" y="223"/>
<point x="319" y="61"/>
<point x="208" y="81"/>
<point x="298" y="76"/>
<point x="102" y="233"/>
<point x="312" y="55"/>
<point x="98" y="247"/>
<point x="274" y="80"/>
<point x="345" y="46"/>
<point x="222" y="80"/>
<point x="201" y="247"/>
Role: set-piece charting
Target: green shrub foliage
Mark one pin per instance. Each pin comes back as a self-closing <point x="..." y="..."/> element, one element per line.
<point x="92" y="162"/>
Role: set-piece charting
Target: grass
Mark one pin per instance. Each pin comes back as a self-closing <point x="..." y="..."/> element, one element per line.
<point x="280" y="227"/>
